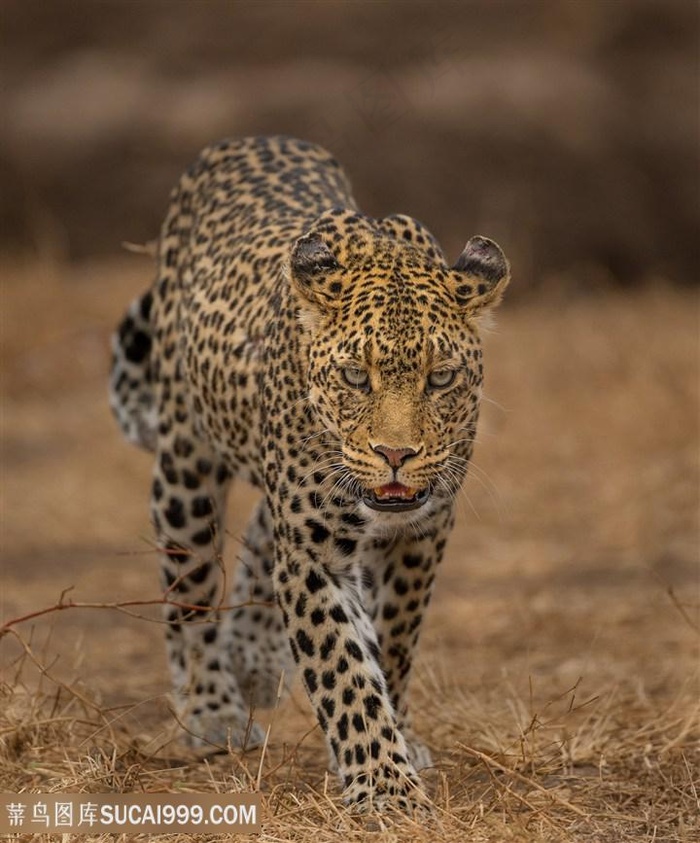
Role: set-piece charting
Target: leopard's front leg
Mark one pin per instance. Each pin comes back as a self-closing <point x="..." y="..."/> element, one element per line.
<point x="335" y="645"/>
<point x="398" y="581"/>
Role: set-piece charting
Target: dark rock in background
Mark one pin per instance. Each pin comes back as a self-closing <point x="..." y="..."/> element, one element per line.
<point x="565" y="130"/>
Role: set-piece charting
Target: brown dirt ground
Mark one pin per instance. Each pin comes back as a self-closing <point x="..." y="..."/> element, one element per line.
<point x="558" y="679"/>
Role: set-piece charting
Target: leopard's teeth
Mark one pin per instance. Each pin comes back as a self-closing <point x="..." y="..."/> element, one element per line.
<point x="395" y="490"/>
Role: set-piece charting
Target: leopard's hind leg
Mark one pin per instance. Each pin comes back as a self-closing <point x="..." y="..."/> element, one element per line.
<point x="188" y="502"/>
<point x="255" y="629"/>
<point x="188" y="498"/>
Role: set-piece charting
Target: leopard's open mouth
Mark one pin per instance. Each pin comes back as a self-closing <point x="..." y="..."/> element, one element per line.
<point x="395" y="497"/>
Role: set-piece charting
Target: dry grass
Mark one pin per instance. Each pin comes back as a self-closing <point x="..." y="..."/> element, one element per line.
<point x="558" y="683"/>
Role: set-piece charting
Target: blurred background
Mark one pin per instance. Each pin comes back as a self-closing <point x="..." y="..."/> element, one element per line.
<point x="568" y="132"/>
<point x="565" y="129"/>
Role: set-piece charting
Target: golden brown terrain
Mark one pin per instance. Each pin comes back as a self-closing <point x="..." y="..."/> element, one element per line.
<point x="558" y="681"/>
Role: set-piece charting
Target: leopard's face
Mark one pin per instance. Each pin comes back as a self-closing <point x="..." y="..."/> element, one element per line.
<point x="401" y="394"/>
<point x="395" y="372"/>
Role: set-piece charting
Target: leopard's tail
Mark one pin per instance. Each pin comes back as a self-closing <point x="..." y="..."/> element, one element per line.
<point x="131" y="394"/>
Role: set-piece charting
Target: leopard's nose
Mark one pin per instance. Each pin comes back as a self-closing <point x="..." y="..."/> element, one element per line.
<point x="396" y="457"/>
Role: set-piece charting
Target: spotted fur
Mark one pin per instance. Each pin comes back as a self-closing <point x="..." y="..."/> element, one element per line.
<point x="332" y="360"/>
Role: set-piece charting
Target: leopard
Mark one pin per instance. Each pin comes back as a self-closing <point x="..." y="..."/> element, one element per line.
<point x="333" y="361"/>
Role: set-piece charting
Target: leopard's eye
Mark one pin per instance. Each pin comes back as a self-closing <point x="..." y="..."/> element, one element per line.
<point x="441" y="378"/>
<point x="356" y="377"/>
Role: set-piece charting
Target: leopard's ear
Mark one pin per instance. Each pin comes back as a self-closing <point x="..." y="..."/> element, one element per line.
<point x="315" y="271"/>
<point x="480" y="275"/>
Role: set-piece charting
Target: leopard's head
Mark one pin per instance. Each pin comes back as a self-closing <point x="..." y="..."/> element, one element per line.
<point x="395" y="364"/>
